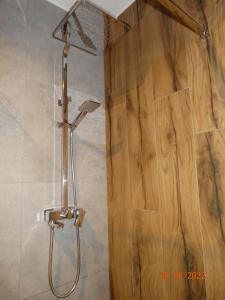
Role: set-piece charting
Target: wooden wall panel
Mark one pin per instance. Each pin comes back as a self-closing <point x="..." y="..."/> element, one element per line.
<point x="167" y="52"/>
<point x="164" y="86"/>
<point x="206" y="66"/>
<point x="205" y="101"/>
<point x="120" y="223"/>
<point x="141" y="126"/>
<point x="119" y="204"/>
<point x="146" y="246"/>
<point x="211" y="174"/>
<point x="181" y="227"/>
<point x="117" y="76"/>
<point x="215" y="14"/>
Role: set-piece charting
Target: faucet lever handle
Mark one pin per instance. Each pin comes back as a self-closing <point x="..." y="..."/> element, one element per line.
<point x="59" y="225"/>
<point x="80" y="217"/>
<point x="56" y="224"/>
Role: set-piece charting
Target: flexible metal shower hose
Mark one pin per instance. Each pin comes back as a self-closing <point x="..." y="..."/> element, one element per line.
<point x="52" y="229"/>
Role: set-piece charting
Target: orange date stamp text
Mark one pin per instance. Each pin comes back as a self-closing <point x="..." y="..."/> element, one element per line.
<point x="183" y="275"/>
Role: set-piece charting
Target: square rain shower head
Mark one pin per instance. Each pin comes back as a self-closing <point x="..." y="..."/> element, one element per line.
<point x="89" y="28"/>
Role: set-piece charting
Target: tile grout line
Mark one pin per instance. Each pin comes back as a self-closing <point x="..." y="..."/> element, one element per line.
<point x="62" y="285"/>
<point x="20" y="243"/>
<point x="21" y="220"/>
<point x="194" y="144"/>
<point x="22" y="188"/>
<point x="172" y="93"/>
<point x="26" y="182"/>
<point x="158" y="188"/>
<point x="209" y="131"/>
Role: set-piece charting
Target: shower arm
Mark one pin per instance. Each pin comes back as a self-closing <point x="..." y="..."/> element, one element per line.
<point x="183" y="17"/>
<point x="66" y="17"/>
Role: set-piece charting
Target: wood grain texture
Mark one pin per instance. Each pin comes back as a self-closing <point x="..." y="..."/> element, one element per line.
<point x="211" y="173"/>
<point x="117" y="83"/>
<point x="215" y="15"/>
<point x="167" y="52"/>
<point x="181" y="226"/>
<point x="130" y="16"/>
<point x="206" y="65"/>
<point x="119" y="204"/>
<point x="164" y="85"/>
<point x="147" y="249"/>
<point x="141" y="125"/>
<point x="118" y="181"/>
<point x="181" y="15"/>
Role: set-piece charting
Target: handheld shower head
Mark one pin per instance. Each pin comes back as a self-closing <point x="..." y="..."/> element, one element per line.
<point x="89" y="106"/>
<point x="85" y="108"/>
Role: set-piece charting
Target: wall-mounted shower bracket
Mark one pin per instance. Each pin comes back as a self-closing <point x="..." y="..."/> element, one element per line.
<point x="183" y="17"/>
<point x="60" y="102"/>
<point x="53" y="216"/>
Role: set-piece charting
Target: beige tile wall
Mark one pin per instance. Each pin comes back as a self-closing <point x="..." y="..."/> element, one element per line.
<point x="30" y="79"/>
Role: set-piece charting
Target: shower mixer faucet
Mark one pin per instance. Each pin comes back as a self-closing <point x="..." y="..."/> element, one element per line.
<point x="54" y="216"/>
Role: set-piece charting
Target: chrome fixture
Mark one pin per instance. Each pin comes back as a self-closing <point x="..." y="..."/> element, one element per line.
<point x="87" y="107"/>
<point x="87" y="28"/>
<point x="56" y="217"/>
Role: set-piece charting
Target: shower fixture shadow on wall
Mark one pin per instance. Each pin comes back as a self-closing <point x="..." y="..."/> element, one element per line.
<point x="87" y="28"/>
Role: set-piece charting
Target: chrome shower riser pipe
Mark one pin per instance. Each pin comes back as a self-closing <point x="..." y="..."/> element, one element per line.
<point x="65" y="102"/>
<point x="56" y="216"/>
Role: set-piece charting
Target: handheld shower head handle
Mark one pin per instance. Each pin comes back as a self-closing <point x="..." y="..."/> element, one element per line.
<point x="78" y="119"/>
